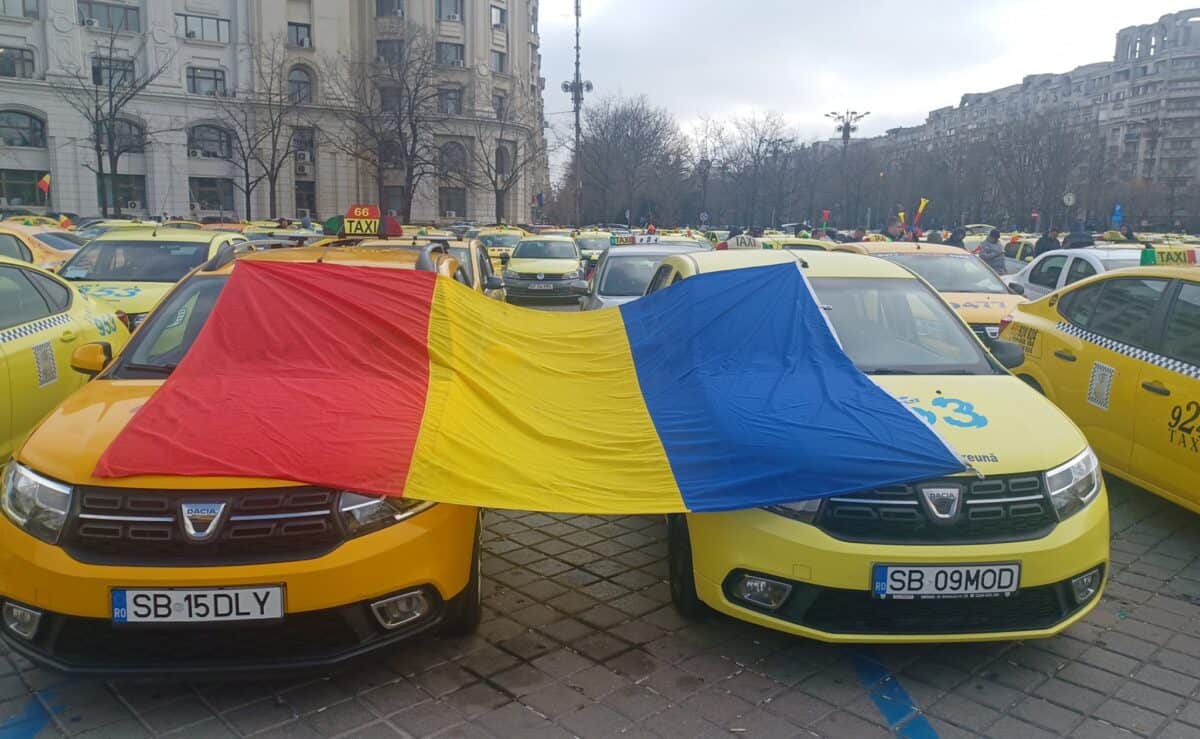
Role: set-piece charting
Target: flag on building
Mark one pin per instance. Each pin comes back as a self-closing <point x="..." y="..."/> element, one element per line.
<point x="44" y="184"/>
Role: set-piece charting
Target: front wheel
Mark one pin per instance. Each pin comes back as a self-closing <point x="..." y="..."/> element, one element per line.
<point x="681" y="569"/>
<point x="465" y="610"/>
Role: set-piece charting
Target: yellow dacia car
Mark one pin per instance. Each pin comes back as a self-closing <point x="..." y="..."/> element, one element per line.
<point x="212" y="575"/>
<point x="42" y="319"/>
<point x="591" y="244"/>
<point x="544" y="268"/>
<point x="46" y="247"/>
<point x="1120" y="354"/>
<point x="132" y="269"/>
<point x="1015" y="550"/>
<point x="969" y="285"/>
<point x="499" y="240"/>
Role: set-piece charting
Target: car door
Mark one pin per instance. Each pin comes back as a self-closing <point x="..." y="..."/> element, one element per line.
<point x="1078" y="268"/>
<point x="1093" y="360"/>
<point x="1166" y="434"/>
<point x="34" y="335"/>
<point x="1044" y="275"/>
<point x="483" y="266"/>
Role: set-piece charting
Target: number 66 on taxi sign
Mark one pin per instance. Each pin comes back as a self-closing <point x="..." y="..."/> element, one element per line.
<point x="361" y="220"/>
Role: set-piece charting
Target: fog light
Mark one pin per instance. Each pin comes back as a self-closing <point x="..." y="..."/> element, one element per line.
<point x="400" y="609"/>
<point x="21" y="621"/>
<point x="1085" y="586"/>
<point x="762" y="592"/>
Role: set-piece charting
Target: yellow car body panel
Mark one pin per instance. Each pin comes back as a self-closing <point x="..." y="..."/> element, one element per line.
<point x="46" y="257"/>
<point x="543" y="266"/>
<point x="798" y="243"/>
<point x="983" y="308"/>
<point x="1138" y="405"/>
<point x="130" y="297"/>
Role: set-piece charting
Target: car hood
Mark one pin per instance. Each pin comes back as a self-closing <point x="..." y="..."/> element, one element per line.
<point x="998" y="423"/>
<point x="983" y="307"/>
<point x="131" y="297"/>
<point x="543" y="266"/>
<point x="68" y="442"/>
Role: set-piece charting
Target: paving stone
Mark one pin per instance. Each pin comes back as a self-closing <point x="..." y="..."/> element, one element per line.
<point x="636" y="701"/>
<point x="1093" y="729"/>
<point x="1129" y="716"/>
<point x="514" y="720"/>
<point x="1159" y="701"/>
<point x="425" y="719"/>
<point x="679" y="723"/>
<point x="599" y="646"/>
<point x="476" y="699"/>
<point x="1179" y="730"/>
<point x="340" y="718"/>
<point x="964" y="712"/>
<point x="377" y="730"/>
<point x="561" y="663"/>
<point x="1006" y="728"/>
<point x="843" y="724"/>
<point x="1107" y="659"/>
<point x="522" y="679"/>
<point x="596" y="682"/>
<point x="260" y="716"/>
<point x="176" y="714"/>
<point x="566" y="630"/>
<point x="1047" y="715"/>
<point x="990" y="693"/>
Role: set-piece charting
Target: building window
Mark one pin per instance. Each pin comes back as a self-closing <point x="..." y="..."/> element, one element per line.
<point x="300" y="34"/>
<point x="452" y="160"/>
<point x="202" y="28"/>
<point x="389" y="51"/>
<point x="16" y="63"/>
<point x="19" y="186"/>
<point x="22" y="129"/>
<point x="499" y="62"/>
<point x="503" y="160"/>
<point x="499" y="17"/>
<point x="306" y="199"/>
<point x="108" y="72"/>
<point x="450" y="101"/>
<point x="206" y="81"/>
<point x="393" y="199"/>
<point x="109" y="16"/>
<point x="450" y="10"/>
<point x="451" y="54"/>
<point x="212" y="142"/>
<point x="498" y="103"/>
<point x="452" y="202"/>
<point x="128" y="137"/>
<point x="389" y="7"/>
<point x="533" y="17"/>
<point x="304" y="139"/>
<point x="300" y="85"/>
<point x="211" y="193"/>
<point x="19" y="8"/>
<point x="127" y="190"/>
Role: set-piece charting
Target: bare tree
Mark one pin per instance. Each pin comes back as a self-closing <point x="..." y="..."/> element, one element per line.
<point x="389" y="114"/>
<point x="758" y="143"/>
<point x="101" y="92"/>
<point x="502" y="150"/>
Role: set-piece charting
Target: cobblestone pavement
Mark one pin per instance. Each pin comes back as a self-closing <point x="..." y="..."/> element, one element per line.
<point x="579" y="639"/>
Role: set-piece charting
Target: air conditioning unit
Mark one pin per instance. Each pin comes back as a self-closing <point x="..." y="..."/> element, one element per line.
<point x="303" y="213"/>
<point x="91" y="22"/>
<point x="193" y="153"/>
<point x="303" y="156"/>
<point x="398" y="12"/>
<point x="304" y="170"/>
<point x="196" y="206"/>
<point x="450" y="214"/>
<point x="133" y="204"/>
<point x="453" y="17"/>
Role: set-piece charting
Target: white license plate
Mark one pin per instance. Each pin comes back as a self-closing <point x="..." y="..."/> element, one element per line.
<point x="909" y="582"/>
<point x="197" y="606"/>
<point x="541" y="286"/>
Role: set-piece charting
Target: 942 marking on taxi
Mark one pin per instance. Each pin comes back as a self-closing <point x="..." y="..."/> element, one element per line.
<point x="1184" y="426"/>
<point x="951" y="411"/>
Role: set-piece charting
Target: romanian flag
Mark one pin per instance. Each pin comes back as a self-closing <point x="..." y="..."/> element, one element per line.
<point x="728" y="390"/>
<point x="44" y="184"/>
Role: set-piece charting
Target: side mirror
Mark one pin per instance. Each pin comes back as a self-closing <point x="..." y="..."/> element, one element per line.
<point x="91" y="359"/>
<point x="493" y="282"/>
<point x="1028" y="259"/>
<point x="1017" y="288"/>
<point x="505" y="257"/>
<point x="1008" y="353"/>
<point x="580" y="287"/>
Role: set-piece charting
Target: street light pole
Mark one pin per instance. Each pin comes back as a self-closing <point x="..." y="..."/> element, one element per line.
<point x="846" y="125"/>
<point x="576" y="88"/>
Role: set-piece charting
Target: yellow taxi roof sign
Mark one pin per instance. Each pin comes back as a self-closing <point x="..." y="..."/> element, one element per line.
<point x="1163" y="257"/>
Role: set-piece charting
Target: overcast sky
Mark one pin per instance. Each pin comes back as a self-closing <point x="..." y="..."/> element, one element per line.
<point x="896" y="59"/>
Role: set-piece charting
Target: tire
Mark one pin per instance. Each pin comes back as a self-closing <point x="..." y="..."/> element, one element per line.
<point x="465" y="610"/>
<point x="681" y="569"/>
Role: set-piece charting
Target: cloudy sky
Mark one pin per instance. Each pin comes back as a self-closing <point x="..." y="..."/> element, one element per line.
<point x="801" y="58"/>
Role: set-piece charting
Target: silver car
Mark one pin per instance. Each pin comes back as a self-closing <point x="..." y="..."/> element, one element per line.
<point x="624" y="272"/>
<point x="1058" y="268"/>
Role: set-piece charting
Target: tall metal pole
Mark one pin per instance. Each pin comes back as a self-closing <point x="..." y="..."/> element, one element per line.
<point x="577" y="87"/>
<point x="846" y="125"/>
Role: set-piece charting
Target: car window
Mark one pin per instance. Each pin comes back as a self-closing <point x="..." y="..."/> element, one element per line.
<point x="485" y="265"/>
<point x="952" y="273"/>
<point x="1012" y="249"/>
<point x="1125" y="309"/>
<point x="1182" y="339"/>
<point x="626" y="276"/>
<point x="1080" y="268"/>
<point x="135" y="261"/>
<point x="56" y="293"/>
<point x="506" y="240"/>
<point x="61" y="241"/>
<point x="894" y="326"/>
<point x="1046" y="272"/>
<point x="1077" y="306"/>
<point x="659" y="281"/>
<point x="20" y="302"/>
<point x="592" y="243"/>
<point x="171" y="329"/>
<point x="546" y="250"/>
<point x="11" y="246"/>
<point x="463" y="255"/>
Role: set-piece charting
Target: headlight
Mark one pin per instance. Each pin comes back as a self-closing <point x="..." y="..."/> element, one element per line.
<point x="510" y="274"/>
<point x="39" y="506"/>
<point x="571" y="275"/>
<point x="362" y="514"/>
<point x="1074" y="484"/>
<point x="805" y="510"/>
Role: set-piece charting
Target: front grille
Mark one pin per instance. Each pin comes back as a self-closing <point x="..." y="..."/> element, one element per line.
<point x="993" y="509"/>
<point x="986" y="331"/>
<point x="144" y="527"/>
<point x="534" y="276"/>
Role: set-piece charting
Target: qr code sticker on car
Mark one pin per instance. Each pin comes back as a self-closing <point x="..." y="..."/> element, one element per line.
<point x="47" y="368"/>
<point x="1100" y="386"/>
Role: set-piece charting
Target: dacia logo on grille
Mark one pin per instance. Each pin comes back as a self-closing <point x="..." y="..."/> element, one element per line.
<point x="942" y="503"/>
<point x="541" y="276"/>
<point x="201" y="520"/>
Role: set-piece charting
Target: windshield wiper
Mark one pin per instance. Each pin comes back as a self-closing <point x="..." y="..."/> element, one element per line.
<point x="931" y="372"/>
<point x="888" y="371"/>
<point x="165" y="369"/>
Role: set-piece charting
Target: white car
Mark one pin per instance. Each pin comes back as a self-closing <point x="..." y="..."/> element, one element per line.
<point x="1061" y="267"/>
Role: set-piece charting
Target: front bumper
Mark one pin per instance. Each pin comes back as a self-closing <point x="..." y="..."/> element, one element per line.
<point x="521" y="289"/>
<point x="831" y="579"/>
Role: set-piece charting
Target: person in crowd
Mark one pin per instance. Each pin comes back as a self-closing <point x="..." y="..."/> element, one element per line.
<point x="1048" y="242"/>
<point x="956" y="238"/>
<point x="934" y="237"/>
<point x="1127" y="233"/>
<point x="894" y="229"/>
<point x="858" y="234"/>
<point x="991" y="251"/>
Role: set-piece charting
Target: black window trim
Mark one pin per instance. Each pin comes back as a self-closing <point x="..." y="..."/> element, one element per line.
<point x="1170" y="297"/>
<point x="46" y="296"/>
<point x="22" y="249"/>
<point x="1158" y="318"/>
<point x="21" y="271"/>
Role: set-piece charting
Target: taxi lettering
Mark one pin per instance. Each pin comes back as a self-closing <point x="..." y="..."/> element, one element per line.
<point x="110" y="292"/>
<point x="1027" y="337"/>
<point x="960" y="413"/>
<point x="1183" y="426"/>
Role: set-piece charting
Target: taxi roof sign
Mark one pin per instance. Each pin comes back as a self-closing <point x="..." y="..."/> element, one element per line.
<point x="743" y="241"/>
<point x="1164" y="257"/>
<point x="632" y="239"/>
<point x="361" y="220"/>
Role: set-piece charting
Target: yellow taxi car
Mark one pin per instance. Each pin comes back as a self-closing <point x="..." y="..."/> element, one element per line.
<point x="96" y="228"/>
<point x="798" y="243"/>
<point x="499" y="240"/>
<point x="42" y="319"/>
<point x="43" y="221"/>
<point x="591" y="243"/>
<point x="544" y="268"/>
<point x="971" y="288"/>
<point x="133" y="269"/>
<point x="45" y="247"/>
<point x="1018" y="550"/>
<point x="1120" y="354"/>
<point x="200" y="575"/>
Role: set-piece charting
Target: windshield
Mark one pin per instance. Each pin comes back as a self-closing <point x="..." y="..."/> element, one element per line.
<point x="170" y="330"/>
<point x="628" y="276"/>
<point x="898" y="326"/>
<point x="546" y="250"/>
<point x="61" y="241"/>
<point x="592" y="243"/>
<point x="505" y="240"/>
<point x="135" y="261"/>
<point x="951" y="273"/>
